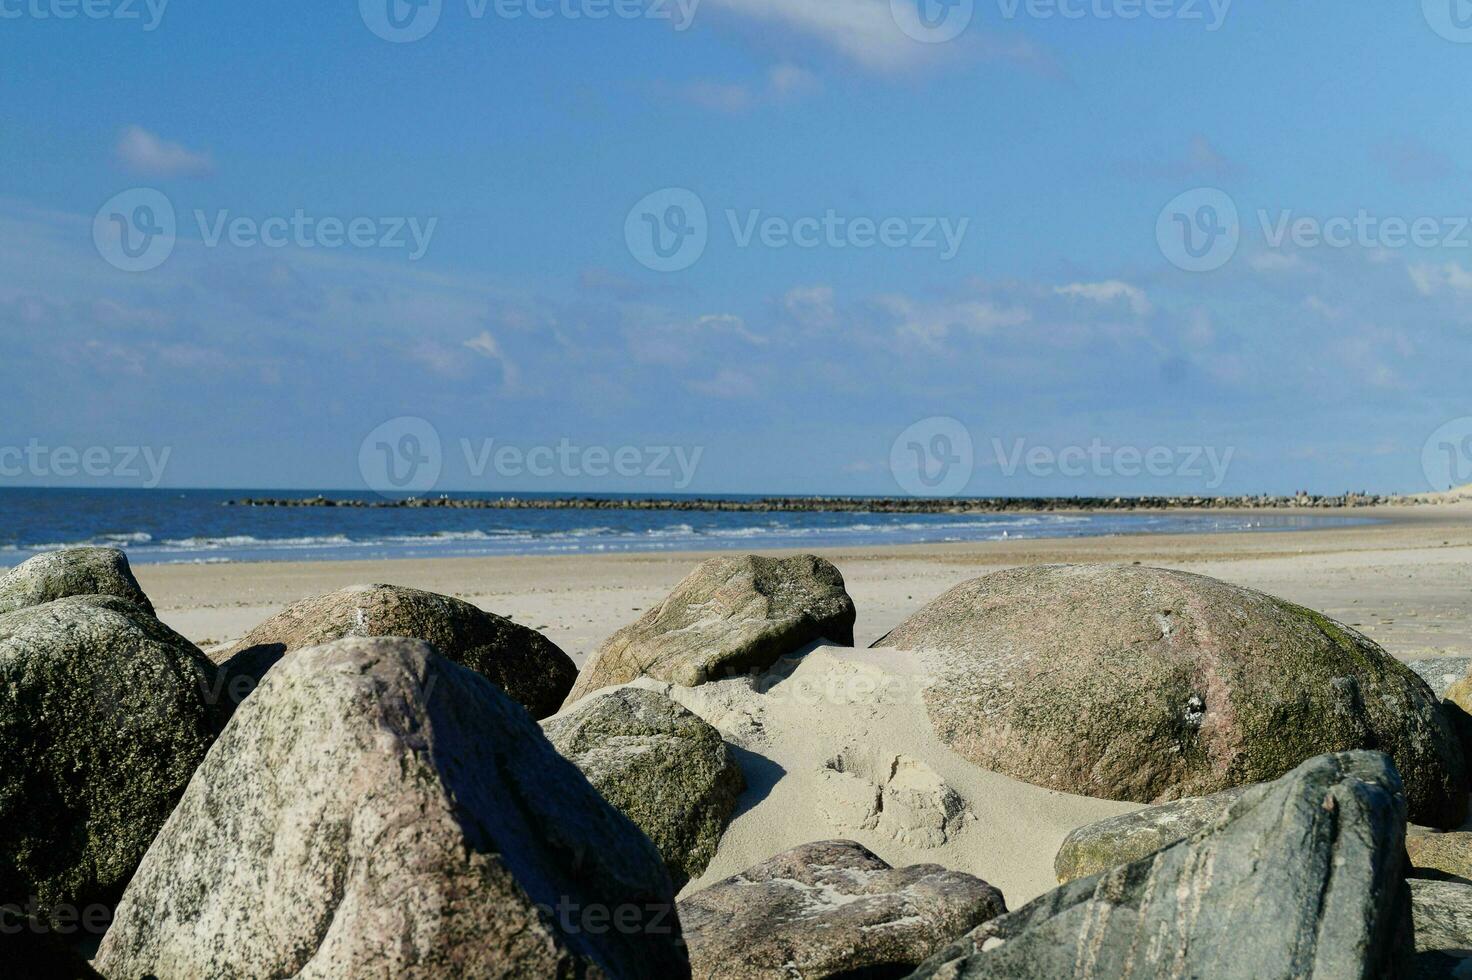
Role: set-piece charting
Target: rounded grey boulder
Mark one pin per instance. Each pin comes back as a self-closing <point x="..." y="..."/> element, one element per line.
<point x="830" y="909"/>
<point x="104" y="715"/>
<point x="731" y="615"/>
<point x="526" y="665"/>
<point x="661" y="765"/>
<point x="377" y="810"/>
<point x="1134" y="683"/>
<point x="75" y="571"/>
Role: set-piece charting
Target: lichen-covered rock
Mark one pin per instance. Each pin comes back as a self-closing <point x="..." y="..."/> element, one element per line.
<point x="1440" y="673"/>
<point x="1141" y="684"/>
<point x="376" y="810"/>
<point x="1301" y="877"/>
<point x="1130" y="836"/>
<point x="104" y="715"/>
<point x="731" y="615"/>
<point x="661" y="765"/>
<point x="527" y="665"/>
<point x="828" y="910"/>
<point x="75" y="571"/>
<point x="1441" y="855"/>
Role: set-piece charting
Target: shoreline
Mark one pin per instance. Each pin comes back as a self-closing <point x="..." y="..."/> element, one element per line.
<point x="1405" y="577"/>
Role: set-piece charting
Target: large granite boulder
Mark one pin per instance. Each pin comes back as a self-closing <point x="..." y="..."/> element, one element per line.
<point x="527" y="665"/>
<point x="104" y="715"/>
<point x="374" y="809"/>
<point x="1134" y="683"/>
<point x="1440" y="673"/>
<point x="1128" y="837"/>
<point x="661" y="765"/>
<point x="1442" y="911"/>
<point x="76" y="571"/>
<point x="732" y="615"/>
<point x="1300" y="877"/>
<point x="829" y="910"/>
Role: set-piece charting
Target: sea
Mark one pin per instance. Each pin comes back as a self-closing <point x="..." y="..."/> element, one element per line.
<point x="197" y="526"/>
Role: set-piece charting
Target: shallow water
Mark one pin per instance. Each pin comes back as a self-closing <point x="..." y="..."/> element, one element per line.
<point x="156" y="526"/>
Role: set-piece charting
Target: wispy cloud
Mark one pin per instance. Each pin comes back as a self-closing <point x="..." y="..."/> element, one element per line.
<point x="782" y="84"/>
<point x="866" y="33"/>
<point x="1200" y="159"/>
<point x="1110" y="291"/>
<point x="147" y="155"/>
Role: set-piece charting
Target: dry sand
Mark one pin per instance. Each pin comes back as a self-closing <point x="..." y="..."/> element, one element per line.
<point x="831" y="729"/>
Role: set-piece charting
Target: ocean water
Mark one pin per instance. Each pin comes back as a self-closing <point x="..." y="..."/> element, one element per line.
<point x="159" y="526"/>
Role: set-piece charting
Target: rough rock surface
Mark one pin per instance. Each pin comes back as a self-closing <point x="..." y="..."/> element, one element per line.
<point x="1440" y="673"/>
<point x="1443" y="914"/>
<point x="1300" y="877"/>
<point x="76" y="571"/>
<point x="664" y="768"/>
<point x="1441" y="855"/>
<point x="1131" y="836"/>
<point x="376" y="810"/>
<point x="830" y="909"/>
<point x="527" y="665"/>
<point x="104" y="715"/>
<point x="731" y="615"/>
<point x="1134" y="683"/>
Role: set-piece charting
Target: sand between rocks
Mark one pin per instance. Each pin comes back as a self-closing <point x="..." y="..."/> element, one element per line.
<point x="835" y="743"/>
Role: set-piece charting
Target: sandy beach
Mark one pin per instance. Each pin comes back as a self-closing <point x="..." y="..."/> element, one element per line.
<point x="1405" y="580"/>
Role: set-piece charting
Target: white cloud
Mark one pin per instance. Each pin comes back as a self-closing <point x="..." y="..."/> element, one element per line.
<point x="862" y="30"/>
<point x="147" y="155"/>
<point x="1432" y="279"/>
<point x="486" y="346"/>
<point x="726" y="384"/>
<point x="1110" y="291"/>
<point x="932" y="324"/>
<point x="728" y="323"/>
<point x="788" y="81"/>
<point x="811" y="307"/>
<point x="784" y="83"/>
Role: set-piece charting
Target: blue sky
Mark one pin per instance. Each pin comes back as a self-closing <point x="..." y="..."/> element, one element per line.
<point x="520" y="145"/>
